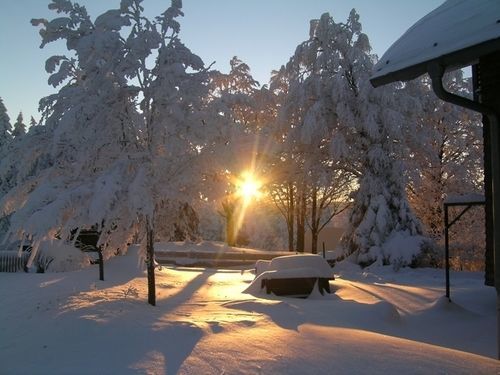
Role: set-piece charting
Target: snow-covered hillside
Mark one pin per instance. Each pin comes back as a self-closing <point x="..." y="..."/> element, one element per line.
<point x="376" y="322"/>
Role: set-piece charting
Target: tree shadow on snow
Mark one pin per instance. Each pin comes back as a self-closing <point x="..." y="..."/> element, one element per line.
<point x="328" y="310"/>
<point x="380" y="316"/>
<point x="115" y="330"/>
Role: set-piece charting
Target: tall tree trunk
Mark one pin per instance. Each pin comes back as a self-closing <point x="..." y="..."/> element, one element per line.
<point x="314" y="239"/>
<point x="314" y="220"/>
<point x="230" y="229"/>
<point x="298" y="241"/>
<point x="150" y="261"/>
<point x="301" y="219"/>
<point x="229" y="214"/>
<point x="303" y="211"/>
<point x="291" y="214"/>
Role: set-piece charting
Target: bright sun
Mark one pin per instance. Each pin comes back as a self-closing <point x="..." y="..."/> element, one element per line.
<point x="249" y="186"/>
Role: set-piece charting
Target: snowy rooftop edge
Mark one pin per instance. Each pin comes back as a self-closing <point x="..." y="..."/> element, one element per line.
<point x="453" y="26"/>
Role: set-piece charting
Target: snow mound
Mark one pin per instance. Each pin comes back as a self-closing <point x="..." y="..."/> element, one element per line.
<point x="386" y="311"/>
<point x="65" y="256"/>
<point x="401" y="248"/>
<point x="443" y="304"/>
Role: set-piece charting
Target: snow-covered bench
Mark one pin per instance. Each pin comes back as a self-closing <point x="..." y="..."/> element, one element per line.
<point x="294" y="275"/>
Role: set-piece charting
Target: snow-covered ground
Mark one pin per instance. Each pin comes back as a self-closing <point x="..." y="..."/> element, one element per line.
<point x="376" y="322"/>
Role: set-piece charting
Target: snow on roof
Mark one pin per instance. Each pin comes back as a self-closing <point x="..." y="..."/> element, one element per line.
<point x="454" y="26"/>
<point x="464" y="199"/>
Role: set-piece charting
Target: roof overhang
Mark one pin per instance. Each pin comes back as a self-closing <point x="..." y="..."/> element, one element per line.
<point x="453" y="35"/>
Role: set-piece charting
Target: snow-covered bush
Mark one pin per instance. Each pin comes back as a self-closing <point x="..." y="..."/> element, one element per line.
<point x="400" y="249"/>
<point x="59" y="256"/>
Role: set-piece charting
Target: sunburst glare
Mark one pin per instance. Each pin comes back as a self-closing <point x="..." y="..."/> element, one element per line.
<point x="248" y="186"/>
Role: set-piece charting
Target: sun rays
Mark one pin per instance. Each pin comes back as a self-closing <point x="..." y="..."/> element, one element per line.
<point x="248" y="187"/>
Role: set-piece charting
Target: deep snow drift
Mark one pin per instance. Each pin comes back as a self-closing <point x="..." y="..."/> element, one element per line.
<point x="377" y="321"/>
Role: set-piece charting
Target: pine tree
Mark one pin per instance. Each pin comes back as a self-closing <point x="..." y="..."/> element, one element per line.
<point x="33" y="122"/>
<point x="19" y="127"/>
<point x="5" y="126"/>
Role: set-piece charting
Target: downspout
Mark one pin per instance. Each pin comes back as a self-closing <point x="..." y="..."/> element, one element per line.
<point x="436" y="72"/>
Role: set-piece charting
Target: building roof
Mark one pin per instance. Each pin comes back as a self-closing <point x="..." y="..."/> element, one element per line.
<point x="455" y="34"/>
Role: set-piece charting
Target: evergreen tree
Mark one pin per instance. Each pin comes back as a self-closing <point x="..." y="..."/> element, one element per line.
<point x="19" y="127"/>
<point x="5" y="126"/>
<point x="33" y="121"/>
<point x="5" y="180"/>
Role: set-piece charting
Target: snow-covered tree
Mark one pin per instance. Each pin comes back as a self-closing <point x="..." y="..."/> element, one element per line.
<point x="334" y="101"/>
<point x="5" y="126"/>
<point x="20" y="170"/>
<point x="312" y="187"/>
<point x="239" y="80"/>
<point x="279" y="158"/>
<point x="287" y="158"/>
<point x="241" y="109"/>
<point x="19" y="127"/>
<point x="5" y="177"/>
<point x="370" y="130"/>
<point x="90" y="122"/>
<point x="445" y="159"/>
<point x="127" y="135"/>
<point x="446" y="151"/>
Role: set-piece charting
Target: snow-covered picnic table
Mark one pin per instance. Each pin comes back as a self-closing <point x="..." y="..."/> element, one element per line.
<point x="294" y="275"/>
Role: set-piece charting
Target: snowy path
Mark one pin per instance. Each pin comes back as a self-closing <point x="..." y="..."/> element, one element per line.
<point x="390" y="323"/>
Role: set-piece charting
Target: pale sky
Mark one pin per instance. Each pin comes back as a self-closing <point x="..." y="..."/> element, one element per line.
<point x="262" y="33"/>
